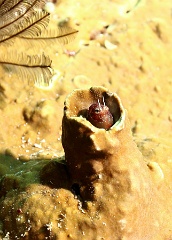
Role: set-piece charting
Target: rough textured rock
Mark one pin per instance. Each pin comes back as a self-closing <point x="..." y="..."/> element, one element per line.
<point x="105" y="191"/>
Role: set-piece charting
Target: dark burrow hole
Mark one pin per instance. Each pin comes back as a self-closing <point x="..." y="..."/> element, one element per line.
<point x="76" y="189"/>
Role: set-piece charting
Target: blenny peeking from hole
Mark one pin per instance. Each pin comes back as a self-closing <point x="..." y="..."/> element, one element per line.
<point x="100" y="116"/>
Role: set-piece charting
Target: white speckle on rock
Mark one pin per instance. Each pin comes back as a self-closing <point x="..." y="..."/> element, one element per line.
<point x="123" y="223"/>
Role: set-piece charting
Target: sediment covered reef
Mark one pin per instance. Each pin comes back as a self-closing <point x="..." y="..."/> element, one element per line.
<point x="102" y="189"/>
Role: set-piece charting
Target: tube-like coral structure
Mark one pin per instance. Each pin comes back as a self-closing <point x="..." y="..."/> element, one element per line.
<point x="106" y="165"/>
<point x="86" y="146"/>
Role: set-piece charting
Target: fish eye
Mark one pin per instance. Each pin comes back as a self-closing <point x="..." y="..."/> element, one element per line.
<point x="97" y="110"/>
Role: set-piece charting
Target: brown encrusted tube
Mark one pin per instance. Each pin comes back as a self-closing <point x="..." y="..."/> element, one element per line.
<point x="86" y="145"/>
<point x="107" y="166"/>
<point x="91" y="152"/>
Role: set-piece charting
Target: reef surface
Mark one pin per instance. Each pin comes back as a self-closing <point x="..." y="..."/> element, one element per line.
<point x="124" y="46"/>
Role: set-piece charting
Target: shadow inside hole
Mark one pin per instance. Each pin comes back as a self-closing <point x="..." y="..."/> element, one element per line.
<point x="83" y="113"/>
<point x="76" y="189"/>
